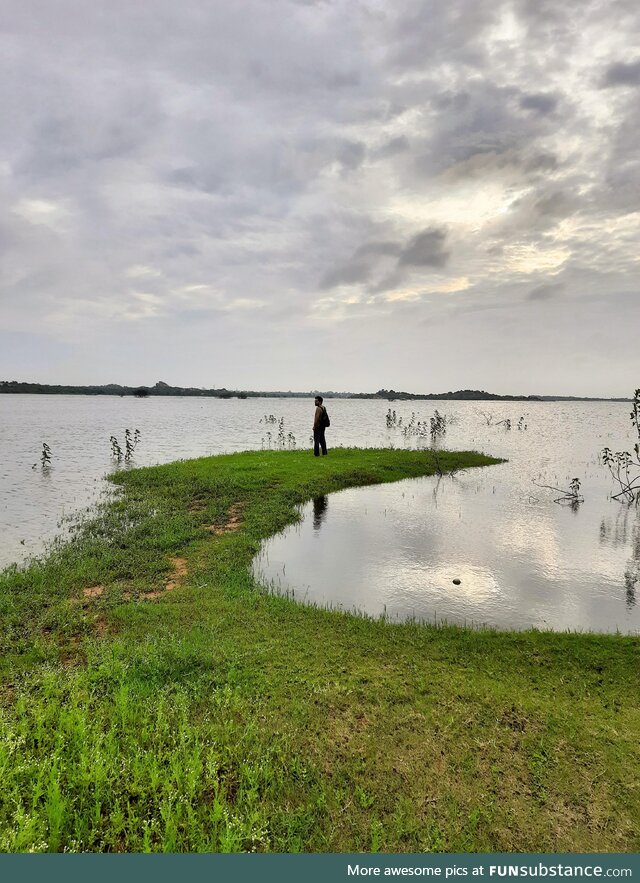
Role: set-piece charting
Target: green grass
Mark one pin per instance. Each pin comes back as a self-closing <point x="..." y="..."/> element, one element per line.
<point x="216" y="717"/>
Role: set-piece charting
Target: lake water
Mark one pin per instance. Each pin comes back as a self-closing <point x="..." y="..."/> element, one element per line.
<point x="522" y="559"/>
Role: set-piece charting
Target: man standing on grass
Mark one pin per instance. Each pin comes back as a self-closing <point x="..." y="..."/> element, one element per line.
<point x="320" y="423"/>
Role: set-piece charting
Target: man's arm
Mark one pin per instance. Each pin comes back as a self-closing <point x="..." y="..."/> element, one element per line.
<point x="317" y="417"/>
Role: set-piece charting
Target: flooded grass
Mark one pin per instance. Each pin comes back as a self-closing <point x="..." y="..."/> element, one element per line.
<point x="217" y="717"/>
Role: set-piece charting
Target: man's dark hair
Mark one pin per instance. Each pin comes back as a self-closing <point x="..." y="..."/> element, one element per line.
<point x="320" y="399"/>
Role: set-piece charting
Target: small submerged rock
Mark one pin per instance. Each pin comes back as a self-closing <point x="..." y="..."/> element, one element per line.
<point x="457" y="581"/>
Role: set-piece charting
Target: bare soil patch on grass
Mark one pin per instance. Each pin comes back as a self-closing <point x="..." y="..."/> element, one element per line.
<point x="179" y="572"/>
<point x="234" y="521"/>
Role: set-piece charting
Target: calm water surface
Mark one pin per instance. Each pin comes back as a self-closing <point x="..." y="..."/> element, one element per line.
<point x="522" y="559"/>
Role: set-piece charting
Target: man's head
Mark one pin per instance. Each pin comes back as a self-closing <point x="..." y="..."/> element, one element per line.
<point x="319" y="400"/>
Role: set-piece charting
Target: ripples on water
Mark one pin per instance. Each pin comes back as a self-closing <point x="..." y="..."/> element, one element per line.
<point x="522" y="559"/>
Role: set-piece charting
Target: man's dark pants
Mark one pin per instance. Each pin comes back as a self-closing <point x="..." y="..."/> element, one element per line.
<point x="319" y="442"/>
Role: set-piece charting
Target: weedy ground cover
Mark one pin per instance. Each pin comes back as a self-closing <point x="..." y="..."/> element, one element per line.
<point x="154" y="698"/>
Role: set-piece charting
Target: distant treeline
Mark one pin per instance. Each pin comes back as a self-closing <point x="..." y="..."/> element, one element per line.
<point x="115" y="389"/>
<point x="478" y="395"/>
<point x="164" y="389"/>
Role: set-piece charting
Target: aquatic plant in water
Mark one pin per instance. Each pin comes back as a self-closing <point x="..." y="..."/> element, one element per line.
<point x="414" y="427"/>
<point x="571" y="496"/>
<point x="438" y="425"/>
<point x="130" y="444"/>
<point x="393" y="421"/>
<point x="45" y="457"/>
<point x="283" y="439"/>
<point x="116" y="450"/>
<point x="506" y="422"/>
<point x="435" y="426"/>
<point x="623" y="465"/>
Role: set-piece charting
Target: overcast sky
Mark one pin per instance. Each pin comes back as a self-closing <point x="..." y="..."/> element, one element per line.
<point x="288" y="194"/>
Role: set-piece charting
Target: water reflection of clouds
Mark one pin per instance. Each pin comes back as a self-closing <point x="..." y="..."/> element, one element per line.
<point x="477" y="584"/>
<point x="390" y="548"/>
<point x="534" y="537"/>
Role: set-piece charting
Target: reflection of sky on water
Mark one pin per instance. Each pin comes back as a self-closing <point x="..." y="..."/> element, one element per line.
<point x="396" y="549"/>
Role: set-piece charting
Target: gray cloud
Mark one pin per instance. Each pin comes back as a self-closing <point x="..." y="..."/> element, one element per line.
<point x="351" y="154"/>
<point x="622" y="74"/>
<point x="422" y="251"/>
<point x="539" y="102"/>
<point x="509" y="162"/>
<point x="426" y="249"/>
<point x="378" y="248"/>
<point x="541" y="209"/>
<point x="394" y="146"/>
<point x="547" y="291"/>
<point x="362" y="264"/>
<point x="348" y="274"/>
<point x="481" y="129"/>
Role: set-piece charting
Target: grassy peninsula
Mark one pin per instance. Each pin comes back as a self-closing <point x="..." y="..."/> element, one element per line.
<point x="153" y="698"/>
